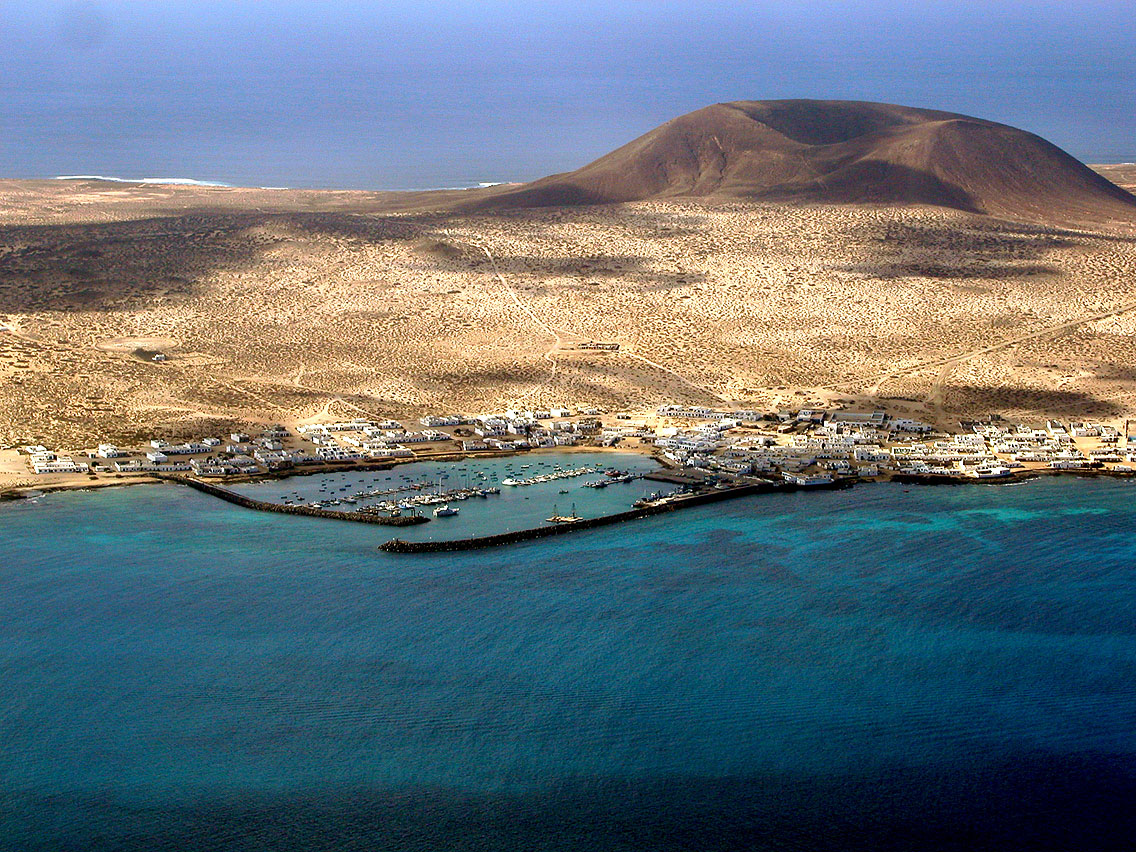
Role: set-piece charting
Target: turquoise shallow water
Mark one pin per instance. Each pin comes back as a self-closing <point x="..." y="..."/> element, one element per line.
<point x="934" y="668"/>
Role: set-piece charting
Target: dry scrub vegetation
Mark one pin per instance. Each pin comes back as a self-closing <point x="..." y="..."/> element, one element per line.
<point x="286" y="306"/>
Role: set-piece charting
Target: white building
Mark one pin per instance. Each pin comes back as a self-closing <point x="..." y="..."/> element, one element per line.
<point x="61" y="464"/>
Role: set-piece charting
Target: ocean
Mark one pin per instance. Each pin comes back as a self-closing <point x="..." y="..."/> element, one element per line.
<point x="407" y="95"/>
<point x="890" y="667"/>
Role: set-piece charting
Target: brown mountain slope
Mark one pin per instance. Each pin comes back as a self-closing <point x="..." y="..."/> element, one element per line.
<point x="842" y="152"/>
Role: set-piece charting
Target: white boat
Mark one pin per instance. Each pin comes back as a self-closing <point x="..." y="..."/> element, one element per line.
<point x="446" y="511"/>
<point x="509" y="482"/>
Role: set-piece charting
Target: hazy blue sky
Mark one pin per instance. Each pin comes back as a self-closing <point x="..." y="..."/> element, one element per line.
<point x="417" y="94"/>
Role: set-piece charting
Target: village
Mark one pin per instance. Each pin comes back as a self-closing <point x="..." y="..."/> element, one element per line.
<point x="806" y="447"/>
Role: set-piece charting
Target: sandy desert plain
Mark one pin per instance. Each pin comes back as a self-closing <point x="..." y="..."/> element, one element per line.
<point x="287" y="306"/>
<point x="292" y="306"/>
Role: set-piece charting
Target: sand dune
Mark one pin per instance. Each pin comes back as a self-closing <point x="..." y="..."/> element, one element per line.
<point x="838" y="152"/>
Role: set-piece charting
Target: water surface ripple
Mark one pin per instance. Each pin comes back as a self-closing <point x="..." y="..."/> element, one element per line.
<point x="882" y="668"/>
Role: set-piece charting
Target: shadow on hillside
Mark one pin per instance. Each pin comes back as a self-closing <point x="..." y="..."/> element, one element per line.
<point x="119" y="265"/>
<point x="859" y="182"/>
<point x="937" y="269"/>
<point x="991" y="249"/>
<point x="594" y="269"/>
<point x="874" y="182"/>
<point x="994" y="398"/>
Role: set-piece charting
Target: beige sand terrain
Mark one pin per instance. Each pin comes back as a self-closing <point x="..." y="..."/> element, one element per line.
<point x="287" y="315"/>
<point x="289" y="306"/>
<point x="1121" y="174"/>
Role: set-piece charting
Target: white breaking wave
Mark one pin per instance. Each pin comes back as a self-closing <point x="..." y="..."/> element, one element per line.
<point x="485" y="184"/>
<point x="175" y="181"/>
<point x="479" y="185"/>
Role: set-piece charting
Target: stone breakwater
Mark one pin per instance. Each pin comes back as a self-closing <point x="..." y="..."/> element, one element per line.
<point x="311" y="512"/>
<point x="702" y="499"/>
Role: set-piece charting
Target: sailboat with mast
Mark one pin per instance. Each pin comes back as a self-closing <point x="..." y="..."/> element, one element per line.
<point x="557" y="518"/>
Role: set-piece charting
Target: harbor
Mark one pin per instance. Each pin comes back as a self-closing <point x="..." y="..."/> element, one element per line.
<point x="476" y="497"/>
<point x="657" y="503"/>
<point x="565" y="524"/>
<point x="524" y="489"/>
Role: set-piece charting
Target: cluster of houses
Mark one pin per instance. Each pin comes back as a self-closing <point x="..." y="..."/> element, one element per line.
<point x="1055" y="445"/>
<point x="43" y="460"/>
<point x="807" y="446"/>
<point x="509" y="431"/>
<point x="276" y="448"/>
<point x="812" y="446"/>
<point x="209" y="456"/>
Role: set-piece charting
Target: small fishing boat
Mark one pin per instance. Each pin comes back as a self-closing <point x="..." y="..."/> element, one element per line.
<point x="557" y="518"/>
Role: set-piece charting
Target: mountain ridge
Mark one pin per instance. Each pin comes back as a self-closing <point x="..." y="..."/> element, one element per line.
<point x="846" y="152"/>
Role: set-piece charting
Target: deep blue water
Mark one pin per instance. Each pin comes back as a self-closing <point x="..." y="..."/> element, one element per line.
<point x="938" y="668"/>
<point x="410" y="95"/>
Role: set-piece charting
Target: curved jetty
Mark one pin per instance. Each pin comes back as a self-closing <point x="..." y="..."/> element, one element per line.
<point x="671" y="505"/>
<point x="310" y="511"/>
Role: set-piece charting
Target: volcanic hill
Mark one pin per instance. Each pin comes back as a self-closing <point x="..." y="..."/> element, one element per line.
<point x="846" y="152"/>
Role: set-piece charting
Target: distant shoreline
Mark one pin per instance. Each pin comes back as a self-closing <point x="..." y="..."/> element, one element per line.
<point x="736" y="490"/>
<point x="21" y="492"/>
<point x="216" y="184"/>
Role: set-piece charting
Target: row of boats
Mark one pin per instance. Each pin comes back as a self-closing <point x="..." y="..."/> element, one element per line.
<point x="549" y="477"/>
<point x="412" y="496"/>
<point x="441" y="500"/>
<point x="610" y="476"/>
<point x="613" y="476"/>
<point x="656" y="497"/>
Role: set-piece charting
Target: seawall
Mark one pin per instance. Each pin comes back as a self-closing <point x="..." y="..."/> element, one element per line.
<point x="308" y="511"/>
<point x="480" y="542"/>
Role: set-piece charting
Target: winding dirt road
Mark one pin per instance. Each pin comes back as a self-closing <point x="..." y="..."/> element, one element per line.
<point x="558" y="339"/>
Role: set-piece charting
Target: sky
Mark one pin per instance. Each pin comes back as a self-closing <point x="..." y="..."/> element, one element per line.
<point x="412" y="95"/>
